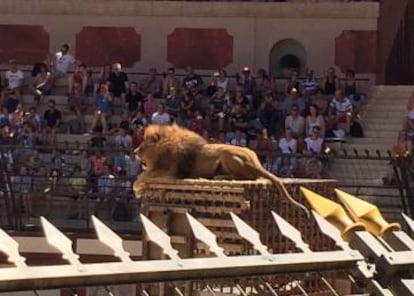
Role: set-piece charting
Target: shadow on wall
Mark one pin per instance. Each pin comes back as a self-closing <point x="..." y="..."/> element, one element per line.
<point x="287" y="55"/>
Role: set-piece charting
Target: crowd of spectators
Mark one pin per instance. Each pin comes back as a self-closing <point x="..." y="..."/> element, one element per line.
<point x="279" y="123"/>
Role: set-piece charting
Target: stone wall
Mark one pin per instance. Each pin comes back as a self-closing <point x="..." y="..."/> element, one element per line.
<point x="206" y="35"/>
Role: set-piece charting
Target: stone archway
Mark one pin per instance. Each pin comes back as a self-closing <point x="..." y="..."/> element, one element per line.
<point x="287" y="55"/>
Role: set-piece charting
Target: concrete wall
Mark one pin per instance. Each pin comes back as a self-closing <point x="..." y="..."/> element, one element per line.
<point x="254" y="27"/>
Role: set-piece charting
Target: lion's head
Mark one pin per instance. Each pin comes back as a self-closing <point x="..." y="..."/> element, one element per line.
<point x="165" y="145"/>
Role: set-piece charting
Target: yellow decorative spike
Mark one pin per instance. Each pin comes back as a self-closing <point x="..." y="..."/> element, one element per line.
<point x="333" y="212"/>
<point x="368" y="214"/>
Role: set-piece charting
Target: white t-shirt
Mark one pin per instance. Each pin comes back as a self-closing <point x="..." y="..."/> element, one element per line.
<point x="314" y="145"/>
<point x="284" y="145"/>
<point x="15" y="79"/>
<point x="63" y="62"/>
<point x="158" y="118"/>
<point x="341" y="107"/>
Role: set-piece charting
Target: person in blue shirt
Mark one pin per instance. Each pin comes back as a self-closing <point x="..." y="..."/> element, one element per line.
<point x="102" y="103"/>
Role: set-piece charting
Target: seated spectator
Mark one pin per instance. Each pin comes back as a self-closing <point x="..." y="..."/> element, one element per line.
<point x="61" y="63"/>
<point x="134" y="98"/>
<point x="14" y="80"/>
<point x="150" y="106"/>
<point x="172" y="104"/>
<point x="137" y="136"/>
<point x="295" y="122"/>
<point x="239" y="138"/>
<point x="122" y="139"/>
<point x="238" y="119"/>
<point x="330" y="84"/>
<point x="4" y="117"/>
<point x="102" y="106"/>
<point x="321" y="102"/>
<point x="124" y="187"/>
<point x="287" y="143"/>
<point x="240" y="99"/>
<point x="16" y="120"/>
<point x="118" y="83"/>
<point x="34" y="118"/>
<point x="263" y="143"/>
<point x="22" y="187"/>
<point x="192" y="81"/>
<point x="85" y="163"/>
<point x="151" y="84"/>
<point x="248" y="83"/>
<point x="80" y="77"/>
<point x="293" y="83"/>
<point x="187" y="104"/>
<point x="170" y="81"/>
<point x="269" y="114"/>
<point x="270" y="164"/>
<point x="40" y="81"/>
<point x="287" y="167"/>
<point x="106" y="183"/>
<point x="53" y="118"/>
<point x="97" y="161"/>
<point x="161" y="116"/>
<point x="197" y="123"/>
<point x="263" y="83"/>
<point x="57" y="161"/>
<point x="309" y="85"/>
<point x="314" y="143"/>
<point x="40" y="180"/>
<point x="218" y="109"/>
<point x="77" y="102"/>
<point x="293" y="99"/>
<point x="138" y="120"/>
<point x="314" y="119"/>
<point x="120" y="161"/>
<point x="341" y="108"/>
<point x="213" y="84"/>
<point x="133" y="167"/>
<point x="102" y="78"/>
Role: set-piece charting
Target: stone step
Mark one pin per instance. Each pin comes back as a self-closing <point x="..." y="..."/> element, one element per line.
<point x="380" y="133"/>
<point x="382" y="126"/>
<point x="380" y="107"/>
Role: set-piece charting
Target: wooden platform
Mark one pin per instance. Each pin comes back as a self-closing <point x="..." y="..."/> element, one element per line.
<point x="211" y="202"/>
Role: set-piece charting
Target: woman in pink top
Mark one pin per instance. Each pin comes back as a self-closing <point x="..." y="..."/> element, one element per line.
<point x="150" y="106"/>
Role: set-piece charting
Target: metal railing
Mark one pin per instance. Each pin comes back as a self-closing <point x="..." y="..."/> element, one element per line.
<point x="385" y="180"/>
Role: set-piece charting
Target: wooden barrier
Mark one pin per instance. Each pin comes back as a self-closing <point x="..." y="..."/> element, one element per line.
<point x="211" y="201"/>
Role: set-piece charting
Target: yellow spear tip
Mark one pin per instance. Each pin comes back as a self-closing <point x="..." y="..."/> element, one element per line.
<point x="357" y="207"/>
<point x="387" y="229"/>
<point x="322" y="205"/>
<point x="346" y="233"/>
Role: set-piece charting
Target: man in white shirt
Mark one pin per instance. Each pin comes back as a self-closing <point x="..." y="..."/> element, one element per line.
<point x="160" y="116"/>
<point x="61" y="63"/>
<point x="14" y="79"/>
<point x="341" y="108"/>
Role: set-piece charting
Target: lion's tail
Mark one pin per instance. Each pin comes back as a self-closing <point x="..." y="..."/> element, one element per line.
<point x="278" y="182"/>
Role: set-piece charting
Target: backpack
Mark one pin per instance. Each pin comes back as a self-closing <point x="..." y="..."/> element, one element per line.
<point x="356" y="130"/>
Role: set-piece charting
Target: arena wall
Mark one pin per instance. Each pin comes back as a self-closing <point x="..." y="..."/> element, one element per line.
<point x="208" y="35"/>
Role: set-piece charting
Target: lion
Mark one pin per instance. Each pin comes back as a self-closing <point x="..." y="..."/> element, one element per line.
<point x="170" y="152"/>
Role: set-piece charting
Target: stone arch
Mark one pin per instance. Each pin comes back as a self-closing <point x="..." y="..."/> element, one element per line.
<point x="286" y="55"/>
